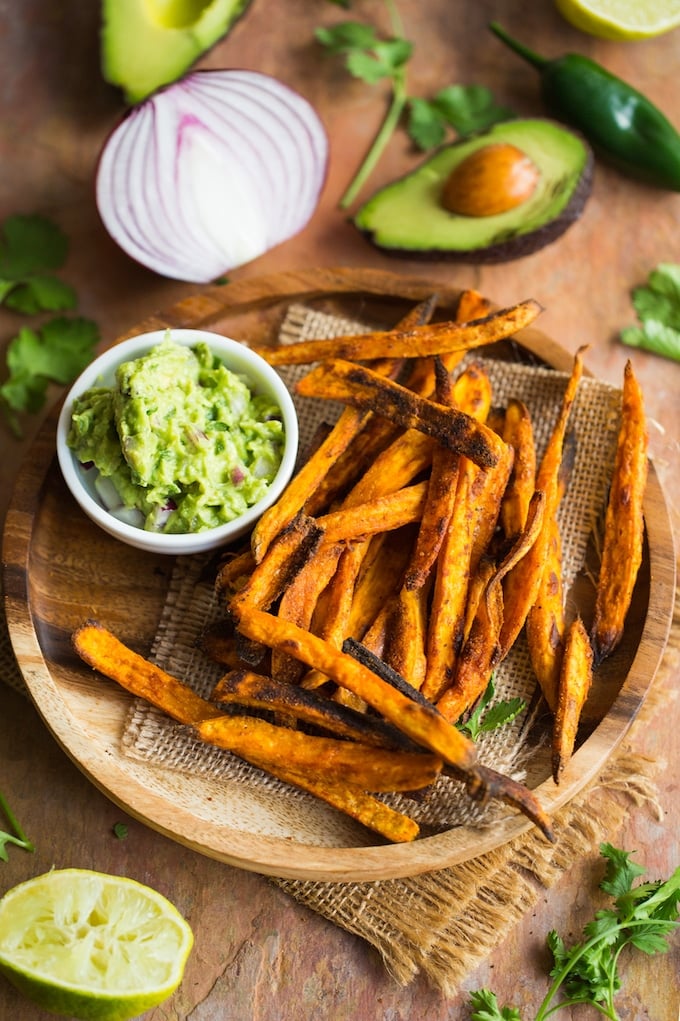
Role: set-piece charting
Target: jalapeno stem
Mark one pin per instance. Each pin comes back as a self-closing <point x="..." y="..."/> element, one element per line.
<point x="523" y="51"/>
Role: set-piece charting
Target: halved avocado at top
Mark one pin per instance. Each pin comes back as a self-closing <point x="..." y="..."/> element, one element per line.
<point x="150" y="43"/>
<point x="536" y="172"/>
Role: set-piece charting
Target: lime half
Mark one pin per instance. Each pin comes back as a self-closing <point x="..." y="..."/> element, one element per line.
<point x="90" y="945"/>
<point x="622" y="19"/>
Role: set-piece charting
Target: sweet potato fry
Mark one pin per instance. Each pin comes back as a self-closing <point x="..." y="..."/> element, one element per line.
<point x="574" y="685"/>
<point x="368" y="767"/>
<point x="299" y="601"/>
<point x="447" y="613"/>
<point x="407" y="634"/>
<point x="233" y="573"/>
<point x="481" y="649"/>
<point x="418" y="341"/>
<point x="352" y="801"/>
<point x="481" y="782"/>
<point x="523" y="582"/>
<point x="403" y="507"/>
<point x="478" y="657"/>
<point x="471" y="393"/>
<point x="423" y="724"/>
<point x="99" y="648"/>
<point x="545" y="623"/>
<point x="361" y="387"/>
<point x="422" y="378"/>
<point x="256" y="691"/>
<point x="518" y="433"/>
<point x="218" y="643"/>
<point x="624" y="523"/>
<point x="291" y="549"/>
<point x="349" y="425"/>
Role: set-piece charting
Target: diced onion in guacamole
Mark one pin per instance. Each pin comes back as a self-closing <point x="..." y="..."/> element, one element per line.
<point x="180" y="437"/>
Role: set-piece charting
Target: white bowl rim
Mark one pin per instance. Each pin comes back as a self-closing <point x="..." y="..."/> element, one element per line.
<point x="238" y="357"/>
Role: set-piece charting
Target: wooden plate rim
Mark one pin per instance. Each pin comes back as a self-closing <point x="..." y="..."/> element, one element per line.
<point x="271" y="855"/>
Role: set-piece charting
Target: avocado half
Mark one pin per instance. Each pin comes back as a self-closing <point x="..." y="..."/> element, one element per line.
<point x="408" y="218"/>
<point x="146" y="44"/>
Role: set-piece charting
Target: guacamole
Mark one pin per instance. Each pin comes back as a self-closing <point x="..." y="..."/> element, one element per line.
<point x="181" y="440"/>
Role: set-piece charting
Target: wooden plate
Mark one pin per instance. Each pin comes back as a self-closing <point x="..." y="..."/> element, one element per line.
<point x="60" y="569"/>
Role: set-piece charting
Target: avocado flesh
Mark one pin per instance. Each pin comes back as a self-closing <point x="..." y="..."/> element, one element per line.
<point x="407" y="217"/>
<point x="147" y="44"/>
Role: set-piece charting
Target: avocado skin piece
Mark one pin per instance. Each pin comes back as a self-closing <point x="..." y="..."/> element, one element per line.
<point x="406" y="218"/>
<point x="141" y="53"/>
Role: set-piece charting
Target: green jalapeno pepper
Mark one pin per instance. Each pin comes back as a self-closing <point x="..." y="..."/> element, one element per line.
<point x="621" y="123"/>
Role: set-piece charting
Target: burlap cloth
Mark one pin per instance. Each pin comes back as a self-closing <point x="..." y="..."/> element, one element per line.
<point x="441" y="924"/>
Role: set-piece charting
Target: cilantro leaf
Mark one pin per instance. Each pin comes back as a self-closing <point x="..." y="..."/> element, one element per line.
<point x="57" y="353"/>
<point x="657" y="304"/>
<point x="485" y="718"/>
<point x="469" y="108"/>
<point x="30" y="244"/>
<point x="642" y="916"/>
<point x="486" y="1008"/>
<point x="40" y="294"/>
<point x="373" y="59"/>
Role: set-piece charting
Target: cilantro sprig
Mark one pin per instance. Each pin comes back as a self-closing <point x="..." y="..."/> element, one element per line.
<point x="489" y="715"/>
<point x="372" y="58"/>
<point x="657" y="304"/>
<point x="16" y="834"/>
<point x="59" y="349"/>
<point x="642" y="917"/>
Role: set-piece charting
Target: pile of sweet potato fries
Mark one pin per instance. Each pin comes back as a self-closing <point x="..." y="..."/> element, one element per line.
<point x="374" y="600"/>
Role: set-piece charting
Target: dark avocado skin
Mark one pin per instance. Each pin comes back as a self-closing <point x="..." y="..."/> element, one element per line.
<point x="502" y="248"/>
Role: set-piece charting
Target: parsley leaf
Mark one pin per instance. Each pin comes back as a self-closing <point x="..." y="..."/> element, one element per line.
<point x="29" y="247"/>
<point x="16" y="836"/>
<point x="642" y="916"/>
<point x="657" y="304"/>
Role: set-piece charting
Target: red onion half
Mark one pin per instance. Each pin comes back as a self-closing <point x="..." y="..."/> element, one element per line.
<point x="211" y="172"/>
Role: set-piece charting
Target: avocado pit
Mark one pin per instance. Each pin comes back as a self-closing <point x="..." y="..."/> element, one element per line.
<point x="491" y="180"/>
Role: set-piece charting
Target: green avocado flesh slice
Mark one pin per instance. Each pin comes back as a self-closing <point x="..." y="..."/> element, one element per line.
<point x="147" y="44"/>
<point x="407" y="217"/>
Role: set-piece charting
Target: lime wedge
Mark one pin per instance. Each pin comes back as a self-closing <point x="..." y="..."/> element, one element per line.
<point x="622" y="19"/>
<point x="89" y="945"/>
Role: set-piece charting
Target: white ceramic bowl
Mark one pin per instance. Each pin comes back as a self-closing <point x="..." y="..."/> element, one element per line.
<point x="101" y="372"/>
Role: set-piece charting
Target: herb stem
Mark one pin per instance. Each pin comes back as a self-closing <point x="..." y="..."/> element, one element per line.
<point x="380" y="141"/>
<point x="19" y="837"/>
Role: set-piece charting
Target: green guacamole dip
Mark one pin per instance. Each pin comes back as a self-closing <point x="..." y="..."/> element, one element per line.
<point x="182" y="440"/>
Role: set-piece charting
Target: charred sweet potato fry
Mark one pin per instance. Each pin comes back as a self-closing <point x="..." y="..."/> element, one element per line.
<point x="470" y="393"/>
<point x="99" y="648"/>
<point x="248" y="689"/>
<point x="286" y="556"/>
<point x="361" y="387"/>
<point x="418" y="341"/>
<point x="368" y="767"/>
<point x="317" y="467"/>
<point x="422" y="724"/>
<point x="574" y="685"/>
<point x="624" y="523"/>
